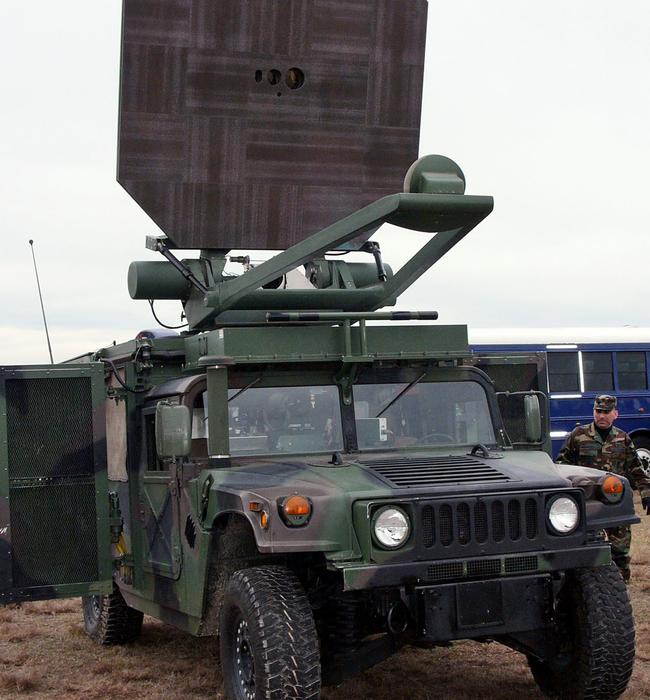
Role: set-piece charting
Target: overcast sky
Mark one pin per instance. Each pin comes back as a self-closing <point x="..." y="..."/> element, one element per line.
<point x="545" y="106"/>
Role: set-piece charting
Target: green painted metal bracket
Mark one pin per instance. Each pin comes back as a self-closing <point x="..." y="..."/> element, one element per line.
<point x="433" y="202"/>
<point x="452" y="216"/>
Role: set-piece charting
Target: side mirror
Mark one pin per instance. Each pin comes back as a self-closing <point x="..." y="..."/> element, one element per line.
<point x="533" y="416"/>
<point x="525" y="417"/>
<point x="173" y="430"/>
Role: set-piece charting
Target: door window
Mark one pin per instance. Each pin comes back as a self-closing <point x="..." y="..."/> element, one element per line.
<point x="151" y="460"/>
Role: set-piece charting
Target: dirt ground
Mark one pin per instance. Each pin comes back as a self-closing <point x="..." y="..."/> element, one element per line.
<point x="44" y="654"/>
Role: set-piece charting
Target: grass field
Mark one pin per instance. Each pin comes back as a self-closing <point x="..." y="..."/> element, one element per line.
<point x="44" y="653"/>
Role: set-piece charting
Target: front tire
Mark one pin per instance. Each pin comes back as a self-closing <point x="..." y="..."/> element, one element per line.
<point x="109" y="620"/>
<point x="268" y="640"/>
<point x="595" y="628"/>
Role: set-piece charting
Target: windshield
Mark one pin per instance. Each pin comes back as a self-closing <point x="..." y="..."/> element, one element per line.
<point x="428" y="413"/>
<point x="288" y="419"/>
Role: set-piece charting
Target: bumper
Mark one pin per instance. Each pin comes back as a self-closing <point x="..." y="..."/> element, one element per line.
<point x="363" y="577"/>
<point x="483" y="608"/>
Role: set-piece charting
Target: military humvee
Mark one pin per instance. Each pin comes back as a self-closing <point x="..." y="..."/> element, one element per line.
<point x="314" y="480"/>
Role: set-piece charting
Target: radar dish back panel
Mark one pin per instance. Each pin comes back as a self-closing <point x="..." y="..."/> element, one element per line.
<point x="255" y="124"/>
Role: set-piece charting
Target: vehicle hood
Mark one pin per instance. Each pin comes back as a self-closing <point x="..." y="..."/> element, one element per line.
<point x="421" y="474"/>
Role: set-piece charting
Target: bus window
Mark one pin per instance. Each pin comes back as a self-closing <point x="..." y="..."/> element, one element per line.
<point x="598" y="371"/>
<point x="563" y="372"/>
<point x="632" y="372"/>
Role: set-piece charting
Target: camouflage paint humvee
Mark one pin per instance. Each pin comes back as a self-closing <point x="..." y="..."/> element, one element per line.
<point x="315" y="489"/>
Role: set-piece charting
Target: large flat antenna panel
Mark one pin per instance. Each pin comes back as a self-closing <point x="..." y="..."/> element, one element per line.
<point x="254" y="124"/>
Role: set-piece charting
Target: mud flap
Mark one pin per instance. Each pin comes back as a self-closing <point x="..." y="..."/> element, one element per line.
<point x="54" y="527"/>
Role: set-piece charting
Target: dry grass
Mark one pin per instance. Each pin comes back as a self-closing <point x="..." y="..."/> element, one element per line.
<point x="44" y="654"/>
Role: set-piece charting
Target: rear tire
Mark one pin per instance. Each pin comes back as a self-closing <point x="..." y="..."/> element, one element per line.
<point x="109" y="620"/>
<point x="269" y="645"/>
<point x="595" y="627"/>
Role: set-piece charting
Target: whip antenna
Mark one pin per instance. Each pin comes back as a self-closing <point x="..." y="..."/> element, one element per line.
<point x="40" y="296"/>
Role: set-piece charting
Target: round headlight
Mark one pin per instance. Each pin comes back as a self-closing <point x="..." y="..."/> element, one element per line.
<point x="563" y="515"/>
<point x="391" y="527"/>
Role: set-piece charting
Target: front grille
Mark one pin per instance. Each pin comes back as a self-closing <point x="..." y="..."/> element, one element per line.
<point x="486" y="520"/>
<point x="434" y="471"/>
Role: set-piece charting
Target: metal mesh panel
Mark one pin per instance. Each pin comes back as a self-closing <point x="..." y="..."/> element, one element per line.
<point x="481" y="567"/>
<point x="531" y="519"/>
<point x="438" y="572"/>
<point x="463" y="523"/>
<point x="517" y="565"/>
<point x="428" y="527"/>
<point x="46" y="523"/>
<point x="498" y="522"/>
<point x="51" y="469"/>
<point x="484" y="567"/>
<point x="49" y="426"/>
<point x="446" y="525"/>
<point x="514" y="519"/>
<point x="481" y="522"/>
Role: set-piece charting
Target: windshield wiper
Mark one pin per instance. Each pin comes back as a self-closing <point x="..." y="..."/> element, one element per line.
<point x="246" y="388"/>
<point x="408" y="387"/>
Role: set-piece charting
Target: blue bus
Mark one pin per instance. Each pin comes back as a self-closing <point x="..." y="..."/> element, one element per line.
<point x="572" y="374"/>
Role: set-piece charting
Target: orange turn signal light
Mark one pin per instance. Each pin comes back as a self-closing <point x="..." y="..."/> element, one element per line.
<point x="613" y="485"/>
<point x="295" y="510"/>
<point x="264" y="519"/>
<point x="297" y="505"/>
<point x="612" y="488"/>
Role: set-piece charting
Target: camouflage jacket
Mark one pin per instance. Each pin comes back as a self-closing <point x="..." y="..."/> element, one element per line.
<point x="585" y="447"/>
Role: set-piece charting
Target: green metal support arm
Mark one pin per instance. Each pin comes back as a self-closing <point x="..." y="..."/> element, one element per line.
<point x="451" y="215"/>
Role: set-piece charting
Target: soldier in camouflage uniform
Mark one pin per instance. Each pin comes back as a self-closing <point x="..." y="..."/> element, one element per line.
<point x="602" y="446"/>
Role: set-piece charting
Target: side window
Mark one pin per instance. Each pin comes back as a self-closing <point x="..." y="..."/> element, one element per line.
<point x="563" y="371"/>
<point x="515" y="377"/>
<point x="632" y="371"/>
<point x="597" y="367"/>
<point x="151" y="461"/>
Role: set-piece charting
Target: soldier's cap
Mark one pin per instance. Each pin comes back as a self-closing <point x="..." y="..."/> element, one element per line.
<point x="605" y="402"/>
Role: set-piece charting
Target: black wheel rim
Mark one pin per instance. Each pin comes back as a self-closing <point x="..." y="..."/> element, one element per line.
<point x="244" y="662"/>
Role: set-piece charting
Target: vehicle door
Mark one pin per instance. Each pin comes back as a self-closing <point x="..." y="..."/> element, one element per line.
<point x="159" y="504"/>
<point x="54" y="503"/>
